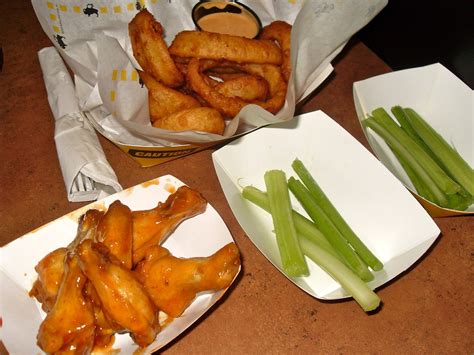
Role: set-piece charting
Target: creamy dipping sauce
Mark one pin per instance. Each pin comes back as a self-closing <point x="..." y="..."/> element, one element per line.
<point x="242" y="24"/>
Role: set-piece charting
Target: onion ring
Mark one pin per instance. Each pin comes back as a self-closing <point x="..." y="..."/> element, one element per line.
<point x="164" y="101"/>
<point x="151" y="51"/>
<point x="247" y="87"/>
<point x="231" y="106"/>
<point x="207" y="45"/>
<point x="280" y="32"/>
<point x="204" y="119"/>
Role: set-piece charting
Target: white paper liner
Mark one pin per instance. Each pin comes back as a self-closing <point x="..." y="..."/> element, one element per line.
<point x="96" y="46"/>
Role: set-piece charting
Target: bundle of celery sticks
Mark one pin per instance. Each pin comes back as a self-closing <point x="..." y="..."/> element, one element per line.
<point x="437" y="171"/>
<point x="325" y="237"/>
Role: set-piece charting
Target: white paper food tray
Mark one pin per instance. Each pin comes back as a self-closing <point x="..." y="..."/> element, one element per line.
<point x="201" y="235"/>
<point x="374" y="203"/>
<point x="440" y="97"/>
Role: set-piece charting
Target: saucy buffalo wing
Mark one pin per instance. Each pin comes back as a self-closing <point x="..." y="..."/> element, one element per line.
<point x="69" y="325"/>
<point x="174" y="282"/>
<point x="152" y="227"/>
<point x="123" y="298"/>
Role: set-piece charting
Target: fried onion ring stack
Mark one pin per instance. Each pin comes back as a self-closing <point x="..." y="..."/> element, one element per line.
<point x="204" y="78"/>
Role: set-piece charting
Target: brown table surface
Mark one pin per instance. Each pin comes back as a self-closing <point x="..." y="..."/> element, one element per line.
<point x="428" y="309"/>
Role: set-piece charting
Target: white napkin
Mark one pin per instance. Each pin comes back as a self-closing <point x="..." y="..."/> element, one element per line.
<point x="87" y="174"/>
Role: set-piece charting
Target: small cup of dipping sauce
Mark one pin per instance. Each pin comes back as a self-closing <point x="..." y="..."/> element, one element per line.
<point x="226" y="17"/>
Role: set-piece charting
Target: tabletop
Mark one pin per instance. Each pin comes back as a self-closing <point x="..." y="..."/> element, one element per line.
<point x="426" y="310"/>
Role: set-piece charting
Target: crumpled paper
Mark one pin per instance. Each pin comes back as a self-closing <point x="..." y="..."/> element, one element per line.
<point x="87" y="174"/>
<point x="92" y="37"/>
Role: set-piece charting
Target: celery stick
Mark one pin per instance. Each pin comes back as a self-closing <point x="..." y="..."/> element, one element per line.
<point x="292" y="257"/>
<point x="325" y="204"/>
<point x="450" y="159"/>
<point x="304" y="227"/>
<point x="404" y="151"/>
<point x="439" y="177"/>
<point x="329" y="230"/>
<point x="460" y="201"/>
<point x="358" y="289"/>
<point x="418" y="183"/>
<point x="402" y="118"/>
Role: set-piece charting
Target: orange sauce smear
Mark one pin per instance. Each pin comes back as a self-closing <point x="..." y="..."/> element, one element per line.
<point x="171" y="188"/>
<point x="151" y="183"/>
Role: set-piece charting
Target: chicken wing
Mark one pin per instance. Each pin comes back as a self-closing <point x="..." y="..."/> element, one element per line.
<point x="69" y="326"/>
<point x="50" y="271"/>
<point x="87" y="227"/>
<point x="115" y="232"/>
<point x="152" y="227"/>
<point x="124" y="300"/>
<point x="173" y="282"/>
<point x="105" y="328"/>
